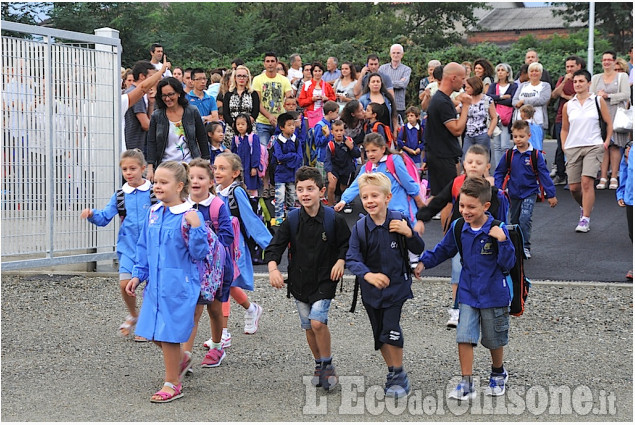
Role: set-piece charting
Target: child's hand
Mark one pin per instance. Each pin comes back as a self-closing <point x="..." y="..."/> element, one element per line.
<point x="87" y="213"/>
<point x="420" y="227"/>
<point x="417" y="271"/>
<point x="349" y="143"/>
<point x="325" y="131"/>
<point x="338" y="270"/>
<point x="552" y="201"/>
<point x="418" y="151"/>
<point x="131" y="286"/>
<point x="254" y="172"/>
<point x="339" y="206"/>
<point x="621" y="203"/>
<point x="276" y="279"/>
<point x="378" y="280"/>
<point x="497" y="233"/>
<point x="192" y="219"/>
<point x="424" y="166"/>
<point x="401" y="227"/>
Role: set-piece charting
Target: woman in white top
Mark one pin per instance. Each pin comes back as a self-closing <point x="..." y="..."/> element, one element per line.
<point x="614" y="88"/>
<point x="536" y="93"/>
<point x="502" y="93"/>
<point x="582" y="143"/>
<point x="343" y="86"/>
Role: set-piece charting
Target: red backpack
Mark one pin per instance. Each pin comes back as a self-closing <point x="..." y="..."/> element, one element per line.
<point x="389" y="137"/>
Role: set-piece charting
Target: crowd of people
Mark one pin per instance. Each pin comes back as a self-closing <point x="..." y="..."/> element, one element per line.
<point x="313" y="138"/>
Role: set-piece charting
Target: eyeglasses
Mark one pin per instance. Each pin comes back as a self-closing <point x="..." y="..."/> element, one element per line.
<point x="167" y="95"/>
<point x="242" y="76"/>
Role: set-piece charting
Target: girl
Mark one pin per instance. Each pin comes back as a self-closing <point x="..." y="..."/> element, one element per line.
<point x="202" y="196"/>
<point x="247" y="146"/>
<point x="136" y="196"/>
<point x="215" y="134"/>
<point x="167" y="263"/>
<point x="227" y="173"/>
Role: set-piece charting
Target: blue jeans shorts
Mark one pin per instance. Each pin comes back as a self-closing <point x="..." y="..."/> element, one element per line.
<point x="493" y="322"/>
<point x="319" y="311"/>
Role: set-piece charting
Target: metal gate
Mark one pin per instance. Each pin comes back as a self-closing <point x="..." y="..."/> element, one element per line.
<point x="61" y="123"/>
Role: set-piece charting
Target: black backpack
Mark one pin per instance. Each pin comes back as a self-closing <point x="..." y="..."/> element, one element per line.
<point x="121" y="202"/>
<point x="519" y="285"/>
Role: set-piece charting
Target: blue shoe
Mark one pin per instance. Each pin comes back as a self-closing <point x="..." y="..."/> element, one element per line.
<point x="399" y="385"/>
<point x="328" y="377"/>
<point x="497" y="383"/>
<point x="463" y="391"/>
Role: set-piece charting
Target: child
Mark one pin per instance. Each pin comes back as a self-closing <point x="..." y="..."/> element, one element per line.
<point x="624" y="193"/>
<point x="136" y="194"/>
<point x="216" y="135"/>
<point x="475" y="164"/>
<point x="410" y="137"/>
<point x="167" y="263"/>
<point x="287" y="156"/>
<point x="377" y="256"/>
<point x="227" y="174"/>
<point x="316" y="263"/>
<point x="340" y="164"/>
<point x="527" y="114"/>
<point x="483" y="293"/>
<point x="246" y="145"/>
<point x="202" y="196"/>
<point x="323" y="136"/>
<point x="372" y="112"/>
<point x="523" y="186"/>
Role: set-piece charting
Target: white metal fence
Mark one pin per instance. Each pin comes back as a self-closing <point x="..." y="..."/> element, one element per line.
<point x="61" y="124"/>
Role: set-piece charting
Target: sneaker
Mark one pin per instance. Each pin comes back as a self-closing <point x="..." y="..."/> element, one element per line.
<point x="399" y="386"/>
<point x="328" y="377"/>
<point x="348" y="208"/>
<point x="315" y="381"/>
<point x="251" y="320"/>
<point x="226" y="341"/>
<point x="554" y="171"/>
<point x="463" y="391"/>
<point x="559" y="181"/>
<point x="437" y="217"/>
<point x="583" y="226"/>
<point x="527" y="253"/>
<point x="453" y="321"/>
<point x="189" y="372"/>
<point x="213" y="358"/>
<point x="497" y="383"/>
<point x="389" y="378"/>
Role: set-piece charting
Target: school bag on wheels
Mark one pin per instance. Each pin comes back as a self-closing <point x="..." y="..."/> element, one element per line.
<point x="517" y="281"/>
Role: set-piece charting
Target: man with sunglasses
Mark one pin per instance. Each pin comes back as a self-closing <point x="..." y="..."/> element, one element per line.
<point x="205" y="103"/>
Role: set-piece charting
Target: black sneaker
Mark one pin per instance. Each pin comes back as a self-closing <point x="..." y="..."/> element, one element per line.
<point x="328" y="377"/>
<point x="315" y="381"/>
<point x="348" y="209"/>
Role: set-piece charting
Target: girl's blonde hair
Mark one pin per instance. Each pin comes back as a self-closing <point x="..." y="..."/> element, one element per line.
<point x="133" y="154"/>
<point x="375" y="179"/>
<point x="235" y="163"/>
<point x="232" y="80"/>
<point x="181" y="172"/>
<point x="203" y="163"/>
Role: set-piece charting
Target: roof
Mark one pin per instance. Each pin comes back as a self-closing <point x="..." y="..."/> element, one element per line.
<point x="524" y="19"/>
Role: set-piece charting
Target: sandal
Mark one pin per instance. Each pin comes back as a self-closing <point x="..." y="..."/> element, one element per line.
<point x="629" y="275"/>
<point x="185" y="364"/>
<point x="167" y="397"/>
<point x="139" y="338"/>
<point x="613" y="185"/>
<point x="126" y="327"/>
<point x="602" y="184"/>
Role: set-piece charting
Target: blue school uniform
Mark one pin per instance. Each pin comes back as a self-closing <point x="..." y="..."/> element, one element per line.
<point x="321" y="140"/>
<point x="625" y="189"/>
<point x="288" y="154"/>
<point x="522" y="180"/>
<point x="412" y="137"/>
<point x="301" y="132"/>
<point x="167" y="263"/>
<point x="254" y="228"/>
<point x="137" y="203"/>
<point x="249" y="154"/>
<point x="214" y="152"/>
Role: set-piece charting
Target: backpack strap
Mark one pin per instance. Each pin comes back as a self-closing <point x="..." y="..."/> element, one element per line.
<point x="361" y="230"/>
<point x="457" y="227"/>
<point x="509" y="154"/>
<point x="214" y="211"/>
<point x="121" y="204"/>
<point x="331" y="146"/>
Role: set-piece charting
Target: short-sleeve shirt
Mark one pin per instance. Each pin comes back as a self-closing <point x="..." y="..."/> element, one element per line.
<point x="272" y="92"/>
<point x="135" y="135"/>
<point x="205" y="106"/>
<point x="440" y="142"/>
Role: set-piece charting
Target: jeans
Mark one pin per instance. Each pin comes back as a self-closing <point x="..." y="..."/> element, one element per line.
<point x="285" y="195"/>
<point x="480" y="139"/>
<point x="559" y="159"/>
<point x="520" y="211"/>
<point x="500" y="143"/>
<point x="264" y="131"/>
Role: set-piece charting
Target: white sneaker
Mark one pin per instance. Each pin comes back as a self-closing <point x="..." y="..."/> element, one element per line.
<point x="226" y="341"/>
<point x="437" y="216"/>
<point x="527" y="253"/>
<point x="251" y="320"/>
<point x="453" y="321"/>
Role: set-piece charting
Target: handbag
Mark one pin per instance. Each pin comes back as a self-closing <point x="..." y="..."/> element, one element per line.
<point x="623" y="121"/>
<point x="504" y="112"/>
<point x="601" y="120"/>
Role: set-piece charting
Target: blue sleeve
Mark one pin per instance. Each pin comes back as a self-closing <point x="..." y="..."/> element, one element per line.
<point x="619" y="193"/>
<point x="543" y="175"/>
<point x="103" y="217"/>
<point x="380" y="130"/>
<point x="213" y="105"/>
<point x="233" y="148"/>
<point x="225" y="230"/>
<point x="506" y="254"/>
<point x="400" y="137"/>
<point x="444" y="250"/>
<point x="140" y="269"/>
<point x="407" y="182"/>
<point x="501" y="171"/>
<point x="198" y="246"/>
<point x="353" y="190"/>
<point x="255" y="152"/>
<point x="414" y="243"/>
<point x="320" y="139"/>
<point x="422" y="143"/>
<point x="355" y="152"/>
<point x="254" y="227"/>
<point x="503" y="206"/>
<point x="285" y="158"/>
<point x="354" y="259"/>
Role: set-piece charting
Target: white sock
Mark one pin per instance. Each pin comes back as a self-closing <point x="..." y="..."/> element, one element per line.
<point x="252" y="308"/>
<point x="587" y="218"/>
<point x="225" y="331"/>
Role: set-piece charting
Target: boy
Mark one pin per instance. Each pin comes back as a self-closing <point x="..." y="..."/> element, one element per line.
<point x="322" y="131"/>
<point x="291" y="105"/>
<point x="316" y="263"/>
<point x="483" y="292"/>
<point x="287" y="155"/>
<point x="522" y="186"/>
<point x="537" y="134"/>
<point x="372" y="112"/>
<point x="475" y="164"/>
<point x="378" y="257"/>
<point x="340" y="162"/>
<point x="410" y="137"/>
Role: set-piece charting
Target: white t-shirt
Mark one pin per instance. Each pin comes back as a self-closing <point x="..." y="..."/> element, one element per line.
<point x="294" y="73"/>
<point x="529" y="91"/>
<point x="125" y="104"/>
<point x="158" y="67"/>
<point x="584" y="125"/>
<point x="176" y="148"/>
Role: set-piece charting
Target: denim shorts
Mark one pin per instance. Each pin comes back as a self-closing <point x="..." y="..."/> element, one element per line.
<point x="493" y="322"/>
<point x="456" y="269"/>
<point x="319" y="311"/>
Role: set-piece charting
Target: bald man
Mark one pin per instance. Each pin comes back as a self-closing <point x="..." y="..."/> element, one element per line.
<point x="532" y="56"/>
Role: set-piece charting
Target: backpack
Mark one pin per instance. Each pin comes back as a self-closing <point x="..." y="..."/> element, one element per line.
<point x="121" y="202"/>
<point x="234" y="249"/>
<point x="210" y="269"/>
<point x="517" y="281"/>
<point x="509" y="154"/>
<point x="310" y="149"/>
<point x="389" y="136"/>
<point x="362" y="234"/>
<point x="271" y="158"/>
<point x="257" y="253"/>
<point x="331" y="145"/>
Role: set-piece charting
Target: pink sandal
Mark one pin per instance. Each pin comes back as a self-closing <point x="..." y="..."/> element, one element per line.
<point x="167" y="397"/>
<point x="185" y="365"/>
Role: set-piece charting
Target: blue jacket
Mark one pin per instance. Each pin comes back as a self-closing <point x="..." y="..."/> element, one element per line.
<point x="409" y="137"/>
<point x="482" y="284"/>
<point x="341" y="162"/>
<point x="288" y="154"/>
<point x="625" y="189"/>
<point x="382" y="256"/>
<point x="300" y="132"/>
<point x="522" y="180"/>
<point x="321" y="140"/>
<point x="213" y="153"/>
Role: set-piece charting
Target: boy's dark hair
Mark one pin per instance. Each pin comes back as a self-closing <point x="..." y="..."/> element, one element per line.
<point x="309" y="173"/>
<point x="520" y="125"/>
<point x="330" y="106"/>
<point x="284" y="118"/>
<point x="198" y="71"/>
<point x="413" y="110"/>
<point x="584" y="72"/>
<point x="477" y="187"/>
<point x="524" y="69"/>
<point x="371" y="56"/>
<point x="337" y="123"/>
<point x="238" y="62"/>
<point x="437" y="73"/>
<point x="247" y="118"/>
<point x="376" y="108"/>
<point x="294" y="114"/>
<point x="141" y="68"/>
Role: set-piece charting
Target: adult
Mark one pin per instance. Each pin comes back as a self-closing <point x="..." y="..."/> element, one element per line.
<point x="137" y="117"/>
<point x="176" y="130"/>
<point x="481" y="117"/>
<point x="281" y="68"/>
<point x="372" y="66"/>
<point x="468" y="68"/>
<point x="314" y="93"/>
<point x="344" y="85"/>
<point x="443" y="128"/>
<point x="272" y="88"/>
<point x="502" y="92"/>
<point x="332" y="73"/>
<point x="156" y="58"/>
<point x="178" y="73"/>
<point x="582" y="143"/>
<point x="353" y="117"/>
<point x="431" y="88"/>
<point x="614" y="88"/>
<point x="241" y="98"/>
<point x="484" y="70"/>
<point x="188" y="84"/>
<point x="563" y="93"/>
<point x="399" y="75"/>
<point x="295" y="68"/>
<point x="205" y="103"/>
<point x="306" y="76"/>
<point x="236" y="63"/>
<point x="536" y="93"/>
<point x="532" y="57"/>
<point x="127" y="80"/>
<point x="621" y="65"/>
<point x="376" y="92"/>
<point x="425" y="81"/>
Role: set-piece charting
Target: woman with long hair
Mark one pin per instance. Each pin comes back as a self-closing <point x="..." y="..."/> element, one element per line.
<point x="376" y="92"/>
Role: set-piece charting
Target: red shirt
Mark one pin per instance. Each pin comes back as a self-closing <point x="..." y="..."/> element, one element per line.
<point x="569" y="91"/>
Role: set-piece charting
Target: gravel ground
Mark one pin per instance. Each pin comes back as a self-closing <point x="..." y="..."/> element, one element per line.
<point x="62" y="360"/>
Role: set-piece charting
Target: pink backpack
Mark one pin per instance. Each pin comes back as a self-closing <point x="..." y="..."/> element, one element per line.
<point x="234" y="249"/>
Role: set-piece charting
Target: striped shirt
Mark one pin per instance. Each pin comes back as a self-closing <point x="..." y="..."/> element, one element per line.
<point x="400" y="77"/>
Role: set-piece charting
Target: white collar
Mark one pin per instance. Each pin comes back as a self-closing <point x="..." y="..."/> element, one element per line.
<point x="223" y="192"/>
<point x="205" y="202"/>
<point x="176" y="209"/>
<point x="144" y="187"/>
<point x="284" y="139"/>
<point x="410" y="126"/>
<point x="529" y="149"/>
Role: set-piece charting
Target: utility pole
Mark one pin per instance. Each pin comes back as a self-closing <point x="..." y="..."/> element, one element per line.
<point x="589" y="59"/>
